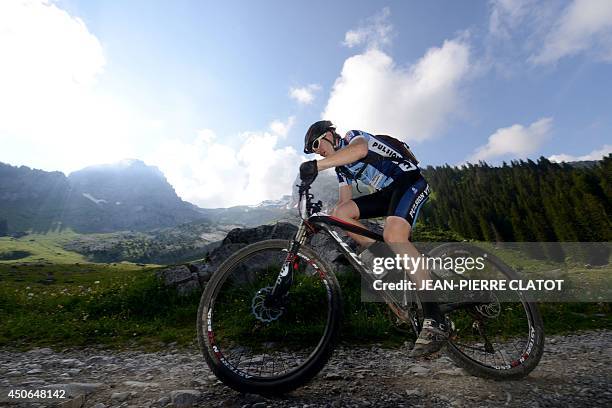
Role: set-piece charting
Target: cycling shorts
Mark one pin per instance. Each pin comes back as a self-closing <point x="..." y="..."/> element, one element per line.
<point x="402" y="198"/>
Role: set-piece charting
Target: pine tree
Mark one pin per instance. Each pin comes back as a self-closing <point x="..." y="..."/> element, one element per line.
<point x="523" y="201"/>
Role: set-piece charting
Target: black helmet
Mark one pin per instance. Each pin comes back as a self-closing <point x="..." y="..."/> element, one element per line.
<point x="315" y="130"/>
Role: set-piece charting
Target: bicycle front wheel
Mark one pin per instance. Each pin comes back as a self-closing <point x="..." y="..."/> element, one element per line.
<point x="253" y="347"/>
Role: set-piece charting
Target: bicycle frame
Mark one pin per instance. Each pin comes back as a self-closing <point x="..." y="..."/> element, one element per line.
<point x="312" y="222"/>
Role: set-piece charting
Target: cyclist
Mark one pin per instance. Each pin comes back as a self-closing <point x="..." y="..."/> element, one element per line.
<point x="400" y="191"/>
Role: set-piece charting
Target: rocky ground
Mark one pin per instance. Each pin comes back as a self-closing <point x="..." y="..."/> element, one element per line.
<point x="576" y="370"/>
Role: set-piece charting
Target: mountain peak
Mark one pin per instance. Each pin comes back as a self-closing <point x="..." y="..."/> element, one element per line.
<point x="130" y="162"/>
<point x="125" y="195"/>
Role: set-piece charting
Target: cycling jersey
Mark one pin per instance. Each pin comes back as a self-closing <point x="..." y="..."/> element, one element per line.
<point x="379" y="171"/>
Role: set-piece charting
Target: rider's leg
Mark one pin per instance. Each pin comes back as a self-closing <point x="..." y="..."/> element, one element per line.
<point x="434" y="333"/>
<point x="396" y="233"/>
<point x="349" y="212"/>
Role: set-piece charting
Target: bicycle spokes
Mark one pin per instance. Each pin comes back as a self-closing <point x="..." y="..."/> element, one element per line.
<point x="263" y="338"/>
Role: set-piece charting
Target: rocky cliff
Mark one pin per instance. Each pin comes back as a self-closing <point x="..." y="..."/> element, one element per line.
<point x="128" y="195"/>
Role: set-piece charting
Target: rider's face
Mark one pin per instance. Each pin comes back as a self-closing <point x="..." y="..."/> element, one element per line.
<point x="326" y="146"/>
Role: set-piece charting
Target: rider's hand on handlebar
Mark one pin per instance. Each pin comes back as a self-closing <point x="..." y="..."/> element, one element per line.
<point x="308" y="172"/>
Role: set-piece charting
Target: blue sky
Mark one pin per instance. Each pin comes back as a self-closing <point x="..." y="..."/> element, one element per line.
<point x="218" y="95"/>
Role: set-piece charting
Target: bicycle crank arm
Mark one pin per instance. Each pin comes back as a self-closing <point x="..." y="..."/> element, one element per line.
<point x="487" y="344"/>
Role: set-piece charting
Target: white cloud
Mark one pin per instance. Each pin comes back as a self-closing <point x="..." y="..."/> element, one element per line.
<point x="282" y="128"/>
<point x="515" y="141"/>
<point x="49" y="63"/>
<point x="43" y="42"/>
<point x="211" y="174"/>
<point x="50" y="100"/>
<point x="375" y="33"/>
<point x="507" y="14"/>
<point x="205" y="136"/>
<point x="412" y="103"/>
<point x="584" y="26"/>
<point x="545" y="32"/>
<point x="304" y="95"/>
<point x="594" y="155"/>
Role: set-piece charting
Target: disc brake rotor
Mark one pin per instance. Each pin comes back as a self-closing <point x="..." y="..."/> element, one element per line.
<point x="263" y="313"/>
<point x="490" y="310"/>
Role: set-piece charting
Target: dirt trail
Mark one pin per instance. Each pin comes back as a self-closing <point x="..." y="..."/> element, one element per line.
<point x="576" y="370"/>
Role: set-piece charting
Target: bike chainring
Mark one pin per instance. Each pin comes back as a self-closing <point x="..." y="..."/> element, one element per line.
<point x="260" y="311"/>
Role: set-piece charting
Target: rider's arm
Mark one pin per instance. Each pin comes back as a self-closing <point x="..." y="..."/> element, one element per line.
<point x="345" y="193"/>
<point x="356" y="150"/>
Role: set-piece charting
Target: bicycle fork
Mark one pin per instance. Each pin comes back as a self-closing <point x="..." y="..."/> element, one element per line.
<point x="285" y="276"/>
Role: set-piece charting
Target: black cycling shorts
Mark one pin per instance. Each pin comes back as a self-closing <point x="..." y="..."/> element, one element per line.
<point x="402" y="198"/>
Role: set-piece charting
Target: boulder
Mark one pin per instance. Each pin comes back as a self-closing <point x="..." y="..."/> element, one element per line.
<point x="192" y="277"/>
<point x="238" y="238"/>
<point x="185" y="278"/>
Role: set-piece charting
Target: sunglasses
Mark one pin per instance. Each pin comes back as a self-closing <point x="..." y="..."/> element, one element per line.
<point x="317" y="142"/>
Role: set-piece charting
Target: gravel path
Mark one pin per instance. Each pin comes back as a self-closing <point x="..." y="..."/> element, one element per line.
<point x="576" y="370"/>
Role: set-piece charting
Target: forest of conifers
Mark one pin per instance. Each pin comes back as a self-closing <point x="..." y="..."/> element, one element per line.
<point x="524" y="201"/>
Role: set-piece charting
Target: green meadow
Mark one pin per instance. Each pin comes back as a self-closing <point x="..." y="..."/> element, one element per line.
<point x="54" y="298"/>
<point x="39" y="248"/>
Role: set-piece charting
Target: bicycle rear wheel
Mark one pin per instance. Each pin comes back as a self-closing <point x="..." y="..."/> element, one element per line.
<point x="499" y="339"/>
<point x="253" y="347"/>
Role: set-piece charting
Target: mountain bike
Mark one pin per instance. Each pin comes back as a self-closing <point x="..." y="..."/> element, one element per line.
<point x="270" y="316"/>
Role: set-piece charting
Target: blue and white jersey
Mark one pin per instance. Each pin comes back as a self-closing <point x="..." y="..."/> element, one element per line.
<point x="378" y="172"/>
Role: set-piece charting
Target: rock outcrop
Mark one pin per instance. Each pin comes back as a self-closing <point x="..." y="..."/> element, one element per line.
<point x="193" y="276"/>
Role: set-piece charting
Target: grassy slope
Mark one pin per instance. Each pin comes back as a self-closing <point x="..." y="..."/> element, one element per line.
<point x="118" y="305"/>
<point x="34" y="311"/>
<point x="42" y="247"/>
<point x="47" y="248"/>
<point x="122" y="305"/>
